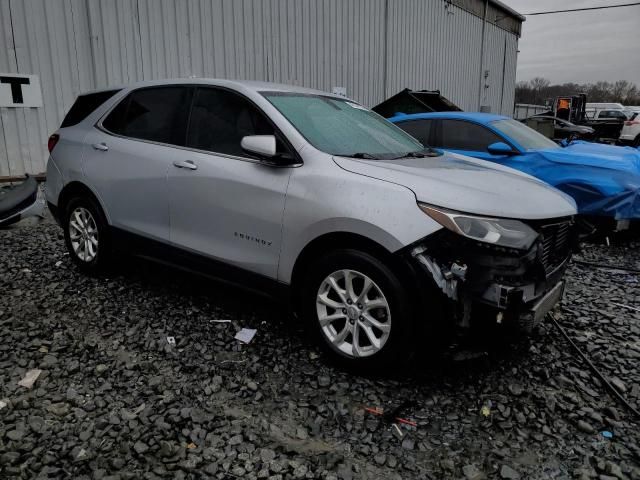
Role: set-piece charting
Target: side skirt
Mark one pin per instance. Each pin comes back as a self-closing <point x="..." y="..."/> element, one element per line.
<point x="184" y="260"/>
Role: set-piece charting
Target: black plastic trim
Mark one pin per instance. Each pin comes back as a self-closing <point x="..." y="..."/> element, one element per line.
<point x="192" y="262"/>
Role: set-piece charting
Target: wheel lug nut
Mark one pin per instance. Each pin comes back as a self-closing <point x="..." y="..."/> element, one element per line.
<point x="351" y="321"/>
<point x="344" y="310"/>
<point x="359" y="305"/>
<point x="361" y="317"/>
<point x="349" y="302"/>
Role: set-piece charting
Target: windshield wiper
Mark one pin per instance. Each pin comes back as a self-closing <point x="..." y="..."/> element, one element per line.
<point x="415" y="155"/>
<point x="368" y="156"/>
<point x="428" y="152"/>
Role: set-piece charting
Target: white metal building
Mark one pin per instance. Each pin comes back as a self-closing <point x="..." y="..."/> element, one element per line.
<point x="372" y="48"/>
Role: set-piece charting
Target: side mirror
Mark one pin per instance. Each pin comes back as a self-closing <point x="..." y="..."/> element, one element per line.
<point x="261" y="145"/>
<point x="500" y="148"/>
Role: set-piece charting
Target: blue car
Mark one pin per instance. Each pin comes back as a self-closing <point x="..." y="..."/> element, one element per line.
<point x="603" y="179"/>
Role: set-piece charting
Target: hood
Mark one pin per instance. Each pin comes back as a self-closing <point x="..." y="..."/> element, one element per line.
<point x="468" y="185"/>
<point x="596" y="155"/>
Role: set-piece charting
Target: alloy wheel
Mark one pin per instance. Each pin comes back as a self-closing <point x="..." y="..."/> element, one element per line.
<point x="83" y="233"/>
<point x="353" y="312"/>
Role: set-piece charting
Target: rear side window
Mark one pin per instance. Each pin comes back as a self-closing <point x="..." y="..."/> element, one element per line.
<point x="157" y="114"/>
<point x="85" y="105"/>
<point x="461" y="135"/>
<point x="219" y="120"/>
<point x="419" y="129"/>
<point x="612" y="114"/>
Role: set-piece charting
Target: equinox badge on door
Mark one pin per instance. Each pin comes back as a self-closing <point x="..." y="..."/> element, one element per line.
<point x="251" y="238"/>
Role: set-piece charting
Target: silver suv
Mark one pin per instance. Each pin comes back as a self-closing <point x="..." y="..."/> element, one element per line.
<point x="377" y="238"/>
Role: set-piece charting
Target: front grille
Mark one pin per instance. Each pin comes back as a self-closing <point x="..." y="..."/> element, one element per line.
<point x="555" y="245"/>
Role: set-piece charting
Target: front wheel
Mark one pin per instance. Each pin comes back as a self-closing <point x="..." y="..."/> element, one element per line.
<point x="358" y="310"/>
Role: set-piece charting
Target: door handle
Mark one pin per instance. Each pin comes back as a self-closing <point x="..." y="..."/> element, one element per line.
<point x="100" y="146"/>
<point x="188" y="164"/>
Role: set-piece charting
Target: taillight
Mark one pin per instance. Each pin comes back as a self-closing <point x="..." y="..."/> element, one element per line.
<point x="53" y="140"/>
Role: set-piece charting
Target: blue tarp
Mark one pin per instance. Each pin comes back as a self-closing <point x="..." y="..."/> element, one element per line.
<point x="604" y="180"/>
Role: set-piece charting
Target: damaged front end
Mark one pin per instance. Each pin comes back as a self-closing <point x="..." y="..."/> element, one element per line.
<point x="513" y="284"/>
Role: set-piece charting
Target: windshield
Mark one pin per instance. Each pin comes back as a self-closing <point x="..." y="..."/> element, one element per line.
<point x="340" y="127"/>
<point x="524" y="136"/>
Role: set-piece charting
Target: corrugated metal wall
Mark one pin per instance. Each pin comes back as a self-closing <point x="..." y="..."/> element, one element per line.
<point x="80" y="45"/>
<point x="439" y="48"/>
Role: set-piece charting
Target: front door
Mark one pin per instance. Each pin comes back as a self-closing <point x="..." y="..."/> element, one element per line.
<point x="467" y="138"/>
<point x="223" y="203"/>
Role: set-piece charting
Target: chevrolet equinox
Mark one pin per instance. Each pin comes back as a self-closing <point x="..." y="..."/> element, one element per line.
<point x="376" y="237"/>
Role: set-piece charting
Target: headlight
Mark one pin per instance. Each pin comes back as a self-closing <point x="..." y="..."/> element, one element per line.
<point x="497" y="231"/>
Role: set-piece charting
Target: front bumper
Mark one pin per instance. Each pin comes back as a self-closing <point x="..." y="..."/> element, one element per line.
<point x="19" y="202"/>
<point x="516" y="286"/>
<point x="534" y="315"/>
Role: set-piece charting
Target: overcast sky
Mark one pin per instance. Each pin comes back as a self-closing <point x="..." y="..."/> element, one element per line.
<point x="579" y="47"/>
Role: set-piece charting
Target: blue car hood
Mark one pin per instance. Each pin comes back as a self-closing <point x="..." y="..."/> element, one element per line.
<point x="595" y="155"/>
<point x="604" y="180"/>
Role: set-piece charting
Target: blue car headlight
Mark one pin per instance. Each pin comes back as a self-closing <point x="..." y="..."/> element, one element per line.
<point x="497" y="231"/>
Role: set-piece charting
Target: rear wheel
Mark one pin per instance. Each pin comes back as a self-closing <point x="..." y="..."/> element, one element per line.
<point x="358" y="310"/>
<point x="86" y="234"/>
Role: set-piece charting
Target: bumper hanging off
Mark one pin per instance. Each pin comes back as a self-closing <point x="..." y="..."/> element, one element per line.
<point x="517" y="286"/>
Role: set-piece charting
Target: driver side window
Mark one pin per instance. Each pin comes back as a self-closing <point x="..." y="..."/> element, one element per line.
<point x="462" y="135"/>
<point x="220" y="119"/>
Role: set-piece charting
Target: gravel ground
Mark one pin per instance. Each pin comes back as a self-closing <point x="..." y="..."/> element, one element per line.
<point x="116" y="400"/>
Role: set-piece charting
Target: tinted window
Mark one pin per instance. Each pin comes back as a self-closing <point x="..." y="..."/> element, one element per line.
<point x="461" y="135"/>
<point x="418" y="129"/>
<point x="524" y="136"/>
<point x="219" y="120"/>
<point x="85" y="105"/>
<point x="612" y="114"/>
<point x="156" y="114"/>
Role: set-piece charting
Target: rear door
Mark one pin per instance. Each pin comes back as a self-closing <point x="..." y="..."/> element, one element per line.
<point x="128" y="157"/>
<point x="224" y="203"/>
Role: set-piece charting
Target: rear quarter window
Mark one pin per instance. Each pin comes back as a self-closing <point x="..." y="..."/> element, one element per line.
<point x="158" y="114"/>
<point x="84" y="106"/>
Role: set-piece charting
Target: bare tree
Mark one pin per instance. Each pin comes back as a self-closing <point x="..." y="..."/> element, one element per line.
<point x="540" y="91"/>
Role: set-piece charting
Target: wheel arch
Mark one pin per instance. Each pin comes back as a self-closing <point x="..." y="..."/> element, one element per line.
<point x="343" y="240"/>
<point x="74" y="189"/>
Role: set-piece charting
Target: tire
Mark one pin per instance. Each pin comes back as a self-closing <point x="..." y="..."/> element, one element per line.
<point x="86" y="235"/>
<point x="390" y="320"/>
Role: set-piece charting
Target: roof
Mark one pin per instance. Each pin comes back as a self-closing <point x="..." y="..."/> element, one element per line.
<point x="508" y="9"/>
<point x="473" y="116"/>
<point x="494" y="12"/>
<point x="236" y="84"/>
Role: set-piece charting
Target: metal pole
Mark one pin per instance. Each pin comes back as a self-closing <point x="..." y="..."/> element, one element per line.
<point x="385" y="66"/>
<point x="480" y="76"/>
